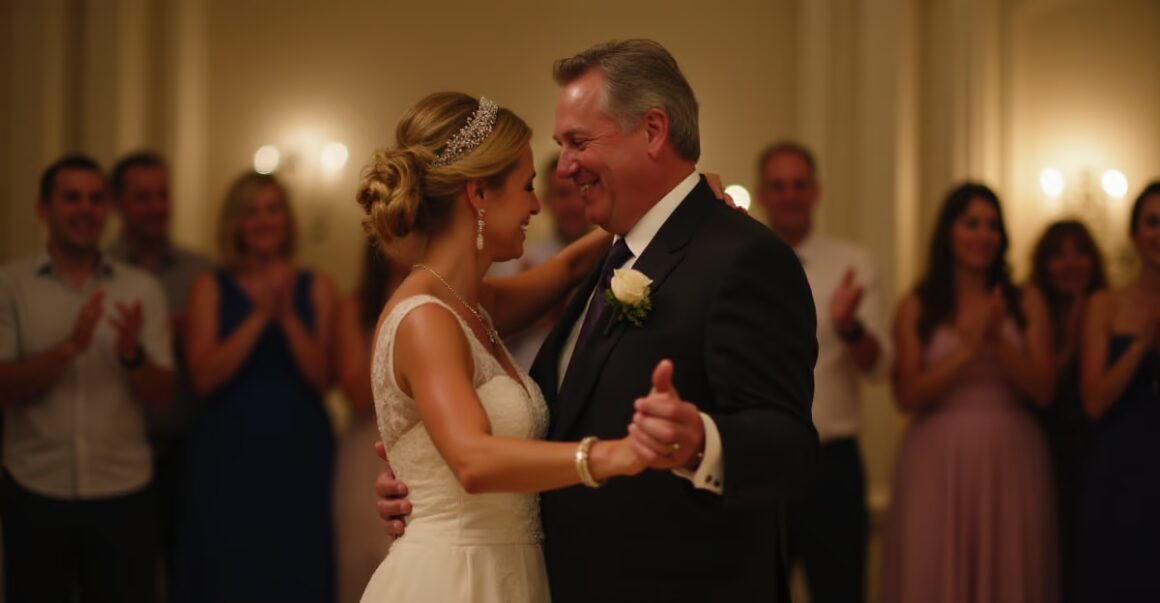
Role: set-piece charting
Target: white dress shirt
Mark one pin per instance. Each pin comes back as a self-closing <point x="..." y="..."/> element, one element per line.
<point x="837" y="402"/>
<point x="85" y="436"/>
<point x="710" y="475"/>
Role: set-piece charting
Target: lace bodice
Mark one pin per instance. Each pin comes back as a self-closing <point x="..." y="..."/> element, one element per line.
<point x="441" y="510"/>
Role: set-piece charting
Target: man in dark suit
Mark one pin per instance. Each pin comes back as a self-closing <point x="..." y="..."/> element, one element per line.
<point x="729" y="428"/>
<point x="730" y="306"/>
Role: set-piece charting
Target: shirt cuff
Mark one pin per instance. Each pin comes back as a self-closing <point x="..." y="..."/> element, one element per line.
<point x="710" y="475"/>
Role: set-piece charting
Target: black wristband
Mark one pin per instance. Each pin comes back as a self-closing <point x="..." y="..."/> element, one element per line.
<point x="136" y="361"/>
<point x="854" y="335"/>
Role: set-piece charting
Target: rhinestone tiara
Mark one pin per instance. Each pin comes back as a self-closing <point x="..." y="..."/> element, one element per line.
<point x="471" y="135"/>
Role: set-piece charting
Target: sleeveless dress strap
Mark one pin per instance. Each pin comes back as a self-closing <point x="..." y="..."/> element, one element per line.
<point x="390" y="328"/>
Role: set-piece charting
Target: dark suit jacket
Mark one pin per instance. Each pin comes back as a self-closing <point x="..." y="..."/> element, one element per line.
<point x="733" y="310"/>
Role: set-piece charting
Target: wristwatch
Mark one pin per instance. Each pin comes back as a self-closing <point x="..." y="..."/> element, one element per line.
<point x="854" y="334"/>
<point x="135" y="361"/>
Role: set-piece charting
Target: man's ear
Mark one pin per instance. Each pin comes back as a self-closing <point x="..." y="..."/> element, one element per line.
<point x="42" y="209"/>
<point x="656" y="129"/>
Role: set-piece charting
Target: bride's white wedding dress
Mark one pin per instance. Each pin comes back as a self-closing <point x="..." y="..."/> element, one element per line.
<point x="458" y="546"/>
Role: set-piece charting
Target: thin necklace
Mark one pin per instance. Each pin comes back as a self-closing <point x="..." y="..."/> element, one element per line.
<point x="491" y="334"/>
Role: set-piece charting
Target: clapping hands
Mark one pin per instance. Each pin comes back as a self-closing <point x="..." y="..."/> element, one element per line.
<point x="85" y="323"/>
<point x="845" y="301"/>
<point x="666" y="431"/>
<point x="986" y="325"/>
<point x="274" y="297"/>
<point x="127" y="324"/>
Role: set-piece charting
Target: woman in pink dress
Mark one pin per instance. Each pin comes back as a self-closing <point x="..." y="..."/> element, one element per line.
<point x="972" y="513"/>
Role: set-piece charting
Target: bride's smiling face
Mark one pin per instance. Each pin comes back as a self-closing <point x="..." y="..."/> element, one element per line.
<point x="509" y="210"/>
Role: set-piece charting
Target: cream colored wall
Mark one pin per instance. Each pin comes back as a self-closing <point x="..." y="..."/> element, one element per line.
<point x="7" y="40"/>
<point x="35" y="98"/>
<point x="1085" y="98"/>
<point x="1010" y="87"/>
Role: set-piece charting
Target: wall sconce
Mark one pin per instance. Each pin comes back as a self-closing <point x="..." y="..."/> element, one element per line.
<point x="1100" y="208"/>
<point x="1051" y="181"/>
<point x="331" y="159"/>
<point x="1115" y="183"/>
<point x="740" y="195"/>
<point x="313" y="172"/>
<point x="266" y="159"/>
<point x="1081" y="197"/>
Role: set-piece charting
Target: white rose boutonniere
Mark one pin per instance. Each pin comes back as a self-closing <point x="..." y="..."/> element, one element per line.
<point x="628" y="295"/>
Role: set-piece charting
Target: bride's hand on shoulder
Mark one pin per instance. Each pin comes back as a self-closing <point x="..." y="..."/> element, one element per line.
<point x="718" y="188"/>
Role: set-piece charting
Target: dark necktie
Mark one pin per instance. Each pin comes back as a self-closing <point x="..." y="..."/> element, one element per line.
<point x="617" y="256"/>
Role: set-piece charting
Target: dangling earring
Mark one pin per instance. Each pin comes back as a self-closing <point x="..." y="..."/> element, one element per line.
<point x="479" y="230"/>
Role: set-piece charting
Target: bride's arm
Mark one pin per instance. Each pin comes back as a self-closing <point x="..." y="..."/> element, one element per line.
<point x="433" y="365"/>
<point x="514" y="302"/>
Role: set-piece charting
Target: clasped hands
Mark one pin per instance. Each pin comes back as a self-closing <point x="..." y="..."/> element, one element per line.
<point x="273" y="295"/>
<point x="984" y="325"/>
<point x="666" y="433"/>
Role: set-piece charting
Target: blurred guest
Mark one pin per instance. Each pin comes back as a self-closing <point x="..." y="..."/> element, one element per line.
<point x="972" y="516"/>
<point x="257" y="524"/>
<point x="827" y="523"/>
<point x="84" y="348"/>
<point x="1066" y="269"/>
<point x="562" y="199"/>
<point x="362" y="541"/>
<point x="1119" y="541"/>
<point x="140" y="184"/>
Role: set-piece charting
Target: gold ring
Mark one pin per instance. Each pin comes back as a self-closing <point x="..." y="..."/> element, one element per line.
<point x="674" y="448"/>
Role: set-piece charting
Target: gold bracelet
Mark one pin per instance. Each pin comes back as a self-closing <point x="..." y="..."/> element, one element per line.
<point x="582" y="462"/>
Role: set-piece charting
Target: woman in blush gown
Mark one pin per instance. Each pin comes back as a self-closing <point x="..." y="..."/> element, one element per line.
<point x="1119" y="541"/>
<point x="971" y="517"/>
<point x="460" y="420"/>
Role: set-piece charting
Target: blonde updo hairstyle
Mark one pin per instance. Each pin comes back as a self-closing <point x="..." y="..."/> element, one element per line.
<point x="403" y="196"/>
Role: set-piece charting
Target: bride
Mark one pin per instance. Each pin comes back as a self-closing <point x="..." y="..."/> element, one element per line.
<point x="462" y="424"/>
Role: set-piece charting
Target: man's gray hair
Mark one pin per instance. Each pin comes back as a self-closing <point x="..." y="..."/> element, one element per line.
<point x="640" y="75"/>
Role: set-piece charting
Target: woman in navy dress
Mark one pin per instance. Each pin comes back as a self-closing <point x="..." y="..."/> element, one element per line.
<point x="1067" y="268"/>
<point x="1120" y="527"/>
<point x="257" y="522"/>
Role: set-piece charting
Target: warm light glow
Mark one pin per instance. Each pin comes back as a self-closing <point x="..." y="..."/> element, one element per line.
<point x="333" y="157"/>
<point x="266" y="159"/>
<point x="1051" y="181"/>
<point x="1115" y="183"/>
<point x="739" y="194"/>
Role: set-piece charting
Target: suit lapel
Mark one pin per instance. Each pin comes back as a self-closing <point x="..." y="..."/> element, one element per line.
<point x="658" y="260"/>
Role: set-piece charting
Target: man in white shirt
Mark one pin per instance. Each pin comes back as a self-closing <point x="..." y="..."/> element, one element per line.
<point x="84" y="347"/>
<point x="827" y="524"/>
